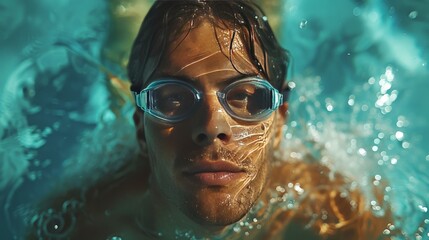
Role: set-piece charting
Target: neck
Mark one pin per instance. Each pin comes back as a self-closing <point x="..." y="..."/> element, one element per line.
<point x="161" y="218"/>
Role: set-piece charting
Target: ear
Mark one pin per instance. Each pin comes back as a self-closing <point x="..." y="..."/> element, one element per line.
<point x="138" y="122"/>
<point x="280" y="121"/>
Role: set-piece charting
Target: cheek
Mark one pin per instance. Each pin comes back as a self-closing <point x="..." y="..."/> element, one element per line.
<point x="253" y="143"/>
<point x="254" y="151"/>
<point x="162" y="151"/>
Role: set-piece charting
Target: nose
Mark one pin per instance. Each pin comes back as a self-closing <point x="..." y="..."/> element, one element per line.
<point x="211" y="123"/>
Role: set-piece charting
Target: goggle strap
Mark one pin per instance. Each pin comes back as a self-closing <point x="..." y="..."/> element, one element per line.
<point x="141" y="99"/>
<point x="279" y="98"/>
<point x="285" y="93"/>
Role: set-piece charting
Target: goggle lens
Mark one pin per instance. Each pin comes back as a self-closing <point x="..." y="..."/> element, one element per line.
<point x="249" y="99"/>
<point x="173" y="100"/>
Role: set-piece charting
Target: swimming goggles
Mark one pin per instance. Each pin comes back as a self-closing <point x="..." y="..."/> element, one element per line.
<point x="250" y="99"/>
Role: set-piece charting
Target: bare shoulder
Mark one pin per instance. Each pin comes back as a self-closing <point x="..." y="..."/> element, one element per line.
<point x="323" y="204"/>
<point x="99" y="211"/>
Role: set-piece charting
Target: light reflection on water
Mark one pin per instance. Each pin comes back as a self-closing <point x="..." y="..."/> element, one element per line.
<point x="358" y="106"/>
<point x="361" y="89"/>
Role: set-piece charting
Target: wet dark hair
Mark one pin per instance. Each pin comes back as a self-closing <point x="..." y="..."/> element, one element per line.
<point x="167" y="20"/>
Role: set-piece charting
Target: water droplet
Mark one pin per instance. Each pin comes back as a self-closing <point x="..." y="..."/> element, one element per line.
<point x="423" y="208"/>
<point x="399" y="135"/>
<point x="362" y="152"/>
<point x="292" y="85"/>
<point x="413" y="15"/>
<point x="357" y="11"/>
<point x="265" y="18"/>
<point x="115" y="238"/>
<point x="303" y="24"/>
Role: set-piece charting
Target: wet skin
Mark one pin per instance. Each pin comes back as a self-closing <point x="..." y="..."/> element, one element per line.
<point x="208" y="170"/>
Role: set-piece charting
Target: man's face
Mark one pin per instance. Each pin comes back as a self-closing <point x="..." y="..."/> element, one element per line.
<point x="210" y="166"/>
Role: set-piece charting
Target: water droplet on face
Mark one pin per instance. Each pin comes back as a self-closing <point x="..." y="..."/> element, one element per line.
<point x="413" y="15"/>
<point x="303" y="24"/>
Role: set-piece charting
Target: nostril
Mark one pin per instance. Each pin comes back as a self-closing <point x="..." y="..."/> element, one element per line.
<point x="222" y="136"/>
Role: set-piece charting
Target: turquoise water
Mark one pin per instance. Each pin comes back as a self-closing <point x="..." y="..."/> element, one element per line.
<point x="359" y="104"/>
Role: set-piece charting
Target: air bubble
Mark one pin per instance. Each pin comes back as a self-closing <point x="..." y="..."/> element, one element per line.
<point x="423" y="208"/>
<point x="362" y="152"/>
<point x="413" y="14"/>
<point x="303" y="24"/>
<point x="115" y="238"/>
<point x="399" y="135"/>
<point x="406" y="145"/>
<point x="357" y="11"/>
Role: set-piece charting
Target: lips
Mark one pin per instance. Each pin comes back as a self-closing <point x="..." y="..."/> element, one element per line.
<point x="214" y="173"/>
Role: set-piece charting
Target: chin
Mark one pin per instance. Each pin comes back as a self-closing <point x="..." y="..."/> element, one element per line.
<point x="213" y="207"/>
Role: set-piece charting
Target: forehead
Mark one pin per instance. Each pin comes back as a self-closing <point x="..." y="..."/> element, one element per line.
<point x="204" y="52"/>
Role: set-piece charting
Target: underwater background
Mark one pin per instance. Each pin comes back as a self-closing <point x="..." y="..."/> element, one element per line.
<point x="359" y="103"/>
